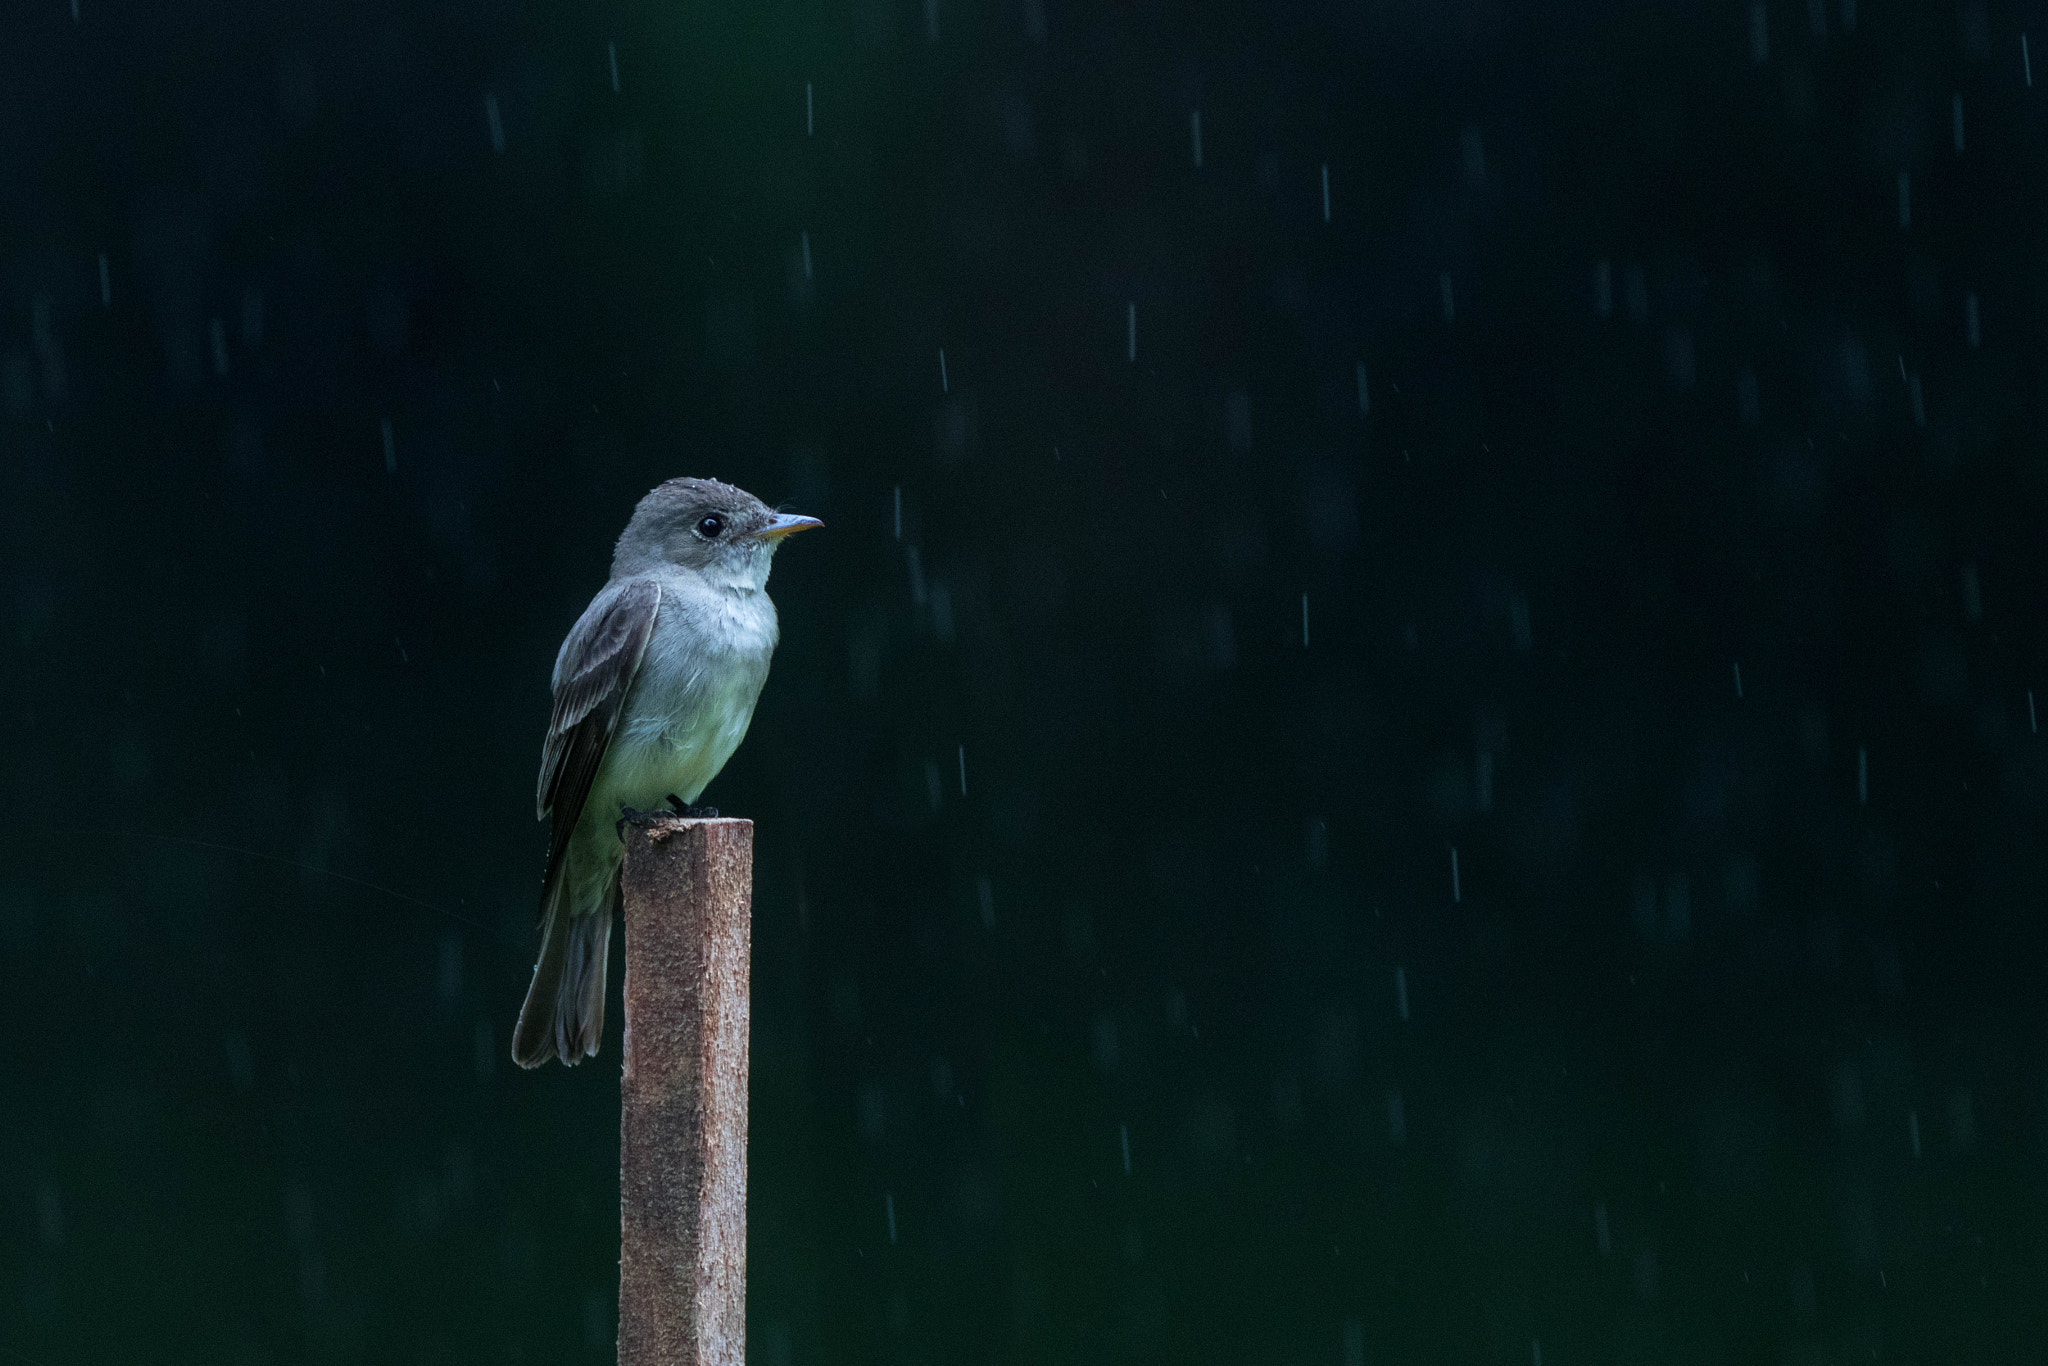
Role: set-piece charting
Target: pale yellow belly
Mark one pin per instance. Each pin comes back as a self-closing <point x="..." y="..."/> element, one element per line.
<point x="647" y="761"/>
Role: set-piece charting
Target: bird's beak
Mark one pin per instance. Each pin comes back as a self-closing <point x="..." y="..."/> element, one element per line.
<point x="786" y="524"/>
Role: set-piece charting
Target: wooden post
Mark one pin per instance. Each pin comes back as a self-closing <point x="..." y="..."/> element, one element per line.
<point x="688" y="888"/>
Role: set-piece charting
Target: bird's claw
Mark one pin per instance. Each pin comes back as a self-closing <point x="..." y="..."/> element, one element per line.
<point x="683" y="808"/>
<point x="628" y="816"/>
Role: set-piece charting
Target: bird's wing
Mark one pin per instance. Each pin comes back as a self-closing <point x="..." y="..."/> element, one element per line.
<point x="592" y="676"/>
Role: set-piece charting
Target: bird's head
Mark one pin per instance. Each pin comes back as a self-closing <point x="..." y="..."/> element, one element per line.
<point x="723" y="533"/>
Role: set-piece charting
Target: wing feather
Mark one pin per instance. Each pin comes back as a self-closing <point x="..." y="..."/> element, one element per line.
<point x="593" y="674"/>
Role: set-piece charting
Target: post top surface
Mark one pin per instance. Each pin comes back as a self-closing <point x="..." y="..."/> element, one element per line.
<point x="670" y="821"/>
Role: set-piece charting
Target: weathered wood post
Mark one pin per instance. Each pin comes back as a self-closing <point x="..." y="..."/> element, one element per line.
<point x="688" y="888"/>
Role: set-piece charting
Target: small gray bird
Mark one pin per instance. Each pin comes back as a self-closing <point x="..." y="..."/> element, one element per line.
<point x="653" y="692"/>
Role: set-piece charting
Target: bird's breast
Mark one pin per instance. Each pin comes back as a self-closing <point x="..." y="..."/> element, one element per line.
<point x="694" y="697"/>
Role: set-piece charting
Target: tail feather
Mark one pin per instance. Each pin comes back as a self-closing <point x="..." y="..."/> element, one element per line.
<point x="564" y="1011"/>
<point x="579" y="1007"/>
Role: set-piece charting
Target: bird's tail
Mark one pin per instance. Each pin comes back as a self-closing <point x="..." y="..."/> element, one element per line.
<point x="564" y="1012"/>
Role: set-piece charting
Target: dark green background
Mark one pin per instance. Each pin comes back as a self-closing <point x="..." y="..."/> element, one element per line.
<point x="1655" y="1095"/>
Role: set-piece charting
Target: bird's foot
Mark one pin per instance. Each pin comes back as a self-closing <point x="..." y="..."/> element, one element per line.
<point x="676" y="807"/>
<point x="628" y="816"/>
<point x="683" y="808"/>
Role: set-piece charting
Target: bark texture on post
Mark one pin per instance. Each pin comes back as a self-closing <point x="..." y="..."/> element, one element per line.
<point x="688" y="890"/>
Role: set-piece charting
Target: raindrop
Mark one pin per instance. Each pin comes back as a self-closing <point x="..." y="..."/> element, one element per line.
<point x="1443" y="287"/>
<point x="1518" y="621"/>
<point x="1738" y="680"/>
<point x="1354" y="1343"/>
<point x="915" y="562"/>
<point x="1222" y="639"/>
<point x="931" y="20"/>
<point x="1601" y="1237"/>
<point x="1456" y="897"/>
<point x="50" y="1214"/>
<point x="807" y="255"/>
<point x="1955" y="119"/>
<point x="2026" y="62"/>
<point x="1304" y="621"/>
<point x="611" y="52"/>
<point x="1919" y="404"/>
<point x="963" y="770"/>
<point x="889" y="1212"/>
<point x="1131" y="333"/>
<point x="1195" y="134"/>
<point x="2033" y="724"/>
<point x="1364" y="399"/>
<point x="1474" y="146"/>
<point x="106" y="284"/>
<point x="1759" y="34"/>
<point x="810" y="112"/>
<point x="944" y="387"/>
<point x="1603" y="287"/>
<point x="986" y="892"/>
<point x="217" y="331"/>
<point x="1862" y="776"/>
<point x="497" y="125"/>
<point x="1123" y="1138"/>
<point x="1326" y="192"/>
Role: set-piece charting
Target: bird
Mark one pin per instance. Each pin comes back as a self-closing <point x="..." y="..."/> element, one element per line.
<point x="654" y="688"/>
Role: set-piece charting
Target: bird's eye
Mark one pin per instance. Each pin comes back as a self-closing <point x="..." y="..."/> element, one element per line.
<point x="710" y="527"/>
